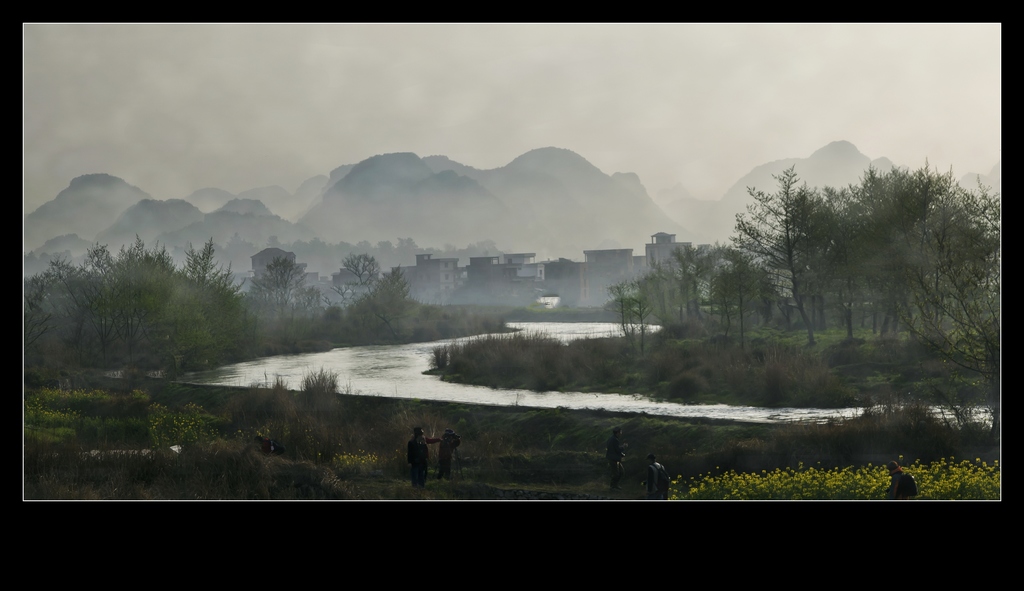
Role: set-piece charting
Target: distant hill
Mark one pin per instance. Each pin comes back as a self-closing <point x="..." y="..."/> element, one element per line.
<point x="70" y="243"/>
<point x="562" y="203"/>
<point x="222" y="225"/>
<point x="246" y="206"/>
<point x="838" y="164"/>
<point x="311" y="192"/>
<point x="991" y="180"/>
<point x="84" y="208"/>
<point x="399" y="196"/>
<point x="209" y="199"/>
<point x="276" y="199"/>
<point x="148" y="219"/>
<point x="549" y="200"/>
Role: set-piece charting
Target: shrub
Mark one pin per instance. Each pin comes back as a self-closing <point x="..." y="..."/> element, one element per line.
<point x="441" y="355"/>
<point x="185" y="427"/>
<point x="320" y="389"/>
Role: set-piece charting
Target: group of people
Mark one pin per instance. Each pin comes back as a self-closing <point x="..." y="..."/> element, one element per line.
<point x="902" y="485"/>
<point x="658" y="480"/>
<point x="418" y="455"/>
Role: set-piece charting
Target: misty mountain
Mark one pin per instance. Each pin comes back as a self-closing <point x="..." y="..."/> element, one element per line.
<point x="278" y="200"/>
<point x="550" y="200"/>
<point x="441" y="163"/>
<point x="70" y="243"/>
<point x="398" y="195"/>
<point x="209" y="199"/>
<point x="221" y="225"/>
<point x="311" y="192"/>
<point x="991" y="180"/>
<point x="838" y="164"/>
<point x="666" y="197"/>
<point x="337" y="174"/>
<point x="84" y="208"/>
<point x="246" y="206"/>
<point x="148" y="219"/>
<point x="563" y="203"/>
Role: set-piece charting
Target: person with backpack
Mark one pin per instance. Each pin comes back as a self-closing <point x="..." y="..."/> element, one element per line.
<point x="902" y="486"/>
<point x="657" y="481"/>
<point x="449" y="441"/>
<point x="269" y="446"/>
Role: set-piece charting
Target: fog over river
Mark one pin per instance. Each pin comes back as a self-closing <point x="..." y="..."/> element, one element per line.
<point x="397" y="371"/>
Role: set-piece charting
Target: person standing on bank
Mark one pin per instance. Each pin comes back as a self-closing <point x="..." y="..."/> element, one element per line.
<point x="418" y="456"/>
<point x="616" y="451"/>
<point x="449" y="441"/>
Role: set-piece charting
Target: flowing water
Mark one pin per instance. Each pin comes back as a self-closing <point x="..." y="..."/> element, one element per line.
<point x="397" y="371"/>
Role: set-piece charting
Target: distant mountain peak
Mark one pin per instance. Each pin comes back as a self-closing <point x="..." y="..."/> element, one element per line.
<point x="98" y="178"/>
<point x="838" y="150"/>
<point x="246" y="206"/>
<point x="549" y="155"/>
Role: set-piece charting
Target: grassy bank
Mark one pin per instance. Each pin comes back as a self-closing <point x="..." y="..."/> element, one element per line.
<point x="772" y="369"/>
<point x="89" y="444"/>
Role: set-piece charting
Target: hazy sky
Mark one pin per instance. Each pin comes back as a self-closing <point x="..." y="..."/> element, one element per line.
<point x="175" y="108"/>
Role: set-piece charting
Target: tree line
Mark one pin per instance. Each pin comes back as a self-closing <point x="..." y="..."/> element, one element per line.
<point x="136" y="308"/>
<point x="902" y="251"/>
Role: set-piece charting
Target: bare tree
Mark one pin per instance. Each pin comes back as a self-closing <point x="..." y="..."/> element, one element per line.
<point x="363" y="266"/>
<point x="36" y="315"/>
<point x="365" y="269"/>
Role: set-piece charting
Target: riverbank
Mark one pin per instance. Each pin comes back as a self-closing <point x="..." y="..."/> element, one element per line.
<point x="770" y="369"/>
<point x="353" y="447"/>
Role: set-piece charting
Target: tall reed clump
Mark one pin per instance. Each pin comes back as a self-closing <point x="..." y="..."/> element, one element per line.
<point x="320" y="390"/>
<point x="911" y="430"/>
<point x="536" y="362"/>
<point x="793" y="377"/>
<point x="440" y="357"/>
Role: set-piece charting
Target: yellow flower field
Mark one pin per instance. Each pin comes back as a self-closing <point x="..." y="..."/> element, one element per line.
<point x="941" y="480"/>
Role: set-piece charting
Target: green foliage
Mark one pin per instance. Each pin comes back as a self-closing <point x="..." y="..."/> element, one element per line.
<point x="320" y="389"/>
<point x="206" y="317"/>
<point x="88" y="416"/>
<point x="633" y="301"/>
<point x="135" y="308"/>
<point x="356" y="449"/>
<point x="187" y="426"/>
<point x="780" y="230"/>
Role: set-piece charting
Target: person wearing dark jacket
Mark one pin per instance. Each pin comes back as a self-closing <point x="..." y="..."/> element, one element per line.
<point x="896" y="473"/>
<point x="616" y="451"/>
<point x="657" y="480"/>
<point x="449" y="441"/>
<point x="418" y="456"/>
<point x="269" y="446"/>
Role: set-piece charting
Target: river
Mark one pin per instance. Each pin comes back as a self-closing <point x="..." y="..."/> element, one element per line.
<point x="397" y="371"/>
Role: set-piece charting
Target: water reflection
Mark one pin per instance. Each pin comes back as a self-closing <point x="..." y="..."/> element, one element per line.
<point x="397" y="371"/>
